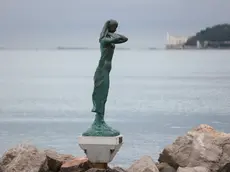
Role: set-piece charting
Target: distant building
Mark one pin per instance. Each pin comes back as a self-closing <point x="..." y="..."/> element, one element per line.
<point x="198" y="45"/>
<point x="175" y="42"/>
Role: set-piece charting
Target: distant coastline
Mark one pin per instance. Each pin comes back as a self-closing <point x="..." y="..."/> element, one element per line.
<point x="186" y="48"/>
<point x="215" y="37"/>
<point x="79" y="48"/>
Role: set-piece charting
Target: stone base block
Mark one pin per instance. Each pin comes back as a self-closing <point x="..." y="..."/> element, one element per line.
<point x="100" y="149"/>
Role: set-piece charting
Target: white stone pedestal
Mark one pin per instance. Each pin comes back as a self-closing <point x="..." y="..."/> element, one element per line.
<point x="100" y="150"/>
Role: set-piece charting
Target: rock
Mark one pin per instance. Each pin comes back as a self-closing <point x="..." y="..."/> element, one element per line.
<point x="117" y="169"/>
<point x="95" y="170"/>
<point x="145" y="164"/>
<point x="202" y="146"/>
<point x="168" y="169"/>
<point x="193" y="169"/>
<point x="225" y="168"/>
<point x="55" y="160"/>
<point x="24" y="158"/>
<point x="164" y="167"/>
<point x="76" y="165"/>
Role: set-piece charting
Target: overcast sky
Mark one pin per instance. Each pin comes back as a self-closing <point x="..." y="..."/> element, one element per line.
<point x="52" y="23"/>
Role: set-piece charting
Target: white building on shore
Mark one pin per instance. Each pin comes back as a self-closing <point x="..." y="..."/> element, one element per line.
<point x="175" y="42"/>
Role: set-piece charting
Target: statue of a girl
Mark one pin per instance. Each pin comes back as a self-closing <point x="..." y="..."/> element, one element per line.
<point x="108" y="39"/>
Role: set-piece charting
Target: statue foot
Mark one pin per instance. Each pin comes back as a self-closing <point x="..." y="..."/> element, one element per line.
<point x="100" y="128"/>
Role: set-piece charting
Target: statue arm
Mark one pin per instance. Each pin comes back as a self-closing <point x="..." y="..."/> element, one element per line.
<point x="115" y="38"/>
<point x="104" y="30"/>
<point x="119" y="36"/>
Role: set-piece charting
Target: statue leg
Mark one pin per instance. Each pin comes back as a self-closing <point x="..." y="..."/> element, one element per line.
<point x="100" y="93"/>
<point x="99" y="118"/>
<point x="99" y="108"/>
<point x="99" y="96"/>
<point x="98" y="105"/>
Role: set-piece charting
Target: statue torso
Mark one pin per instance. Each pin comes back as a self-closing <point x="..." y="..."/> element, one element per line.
<point x="107" y="51"/>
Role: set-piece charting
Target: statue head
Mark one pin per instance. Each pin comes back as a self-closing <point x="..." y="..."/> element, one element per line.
<point x="112" y="27"/>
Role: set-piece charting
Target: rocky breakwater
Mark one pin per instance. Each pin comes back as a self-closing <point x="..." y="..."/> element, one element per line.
<point x="202" y="149"/>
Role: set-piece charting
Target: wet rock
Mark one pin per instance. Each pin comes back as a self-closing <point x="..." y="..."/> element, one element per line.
<point x="55" y="160"/>
<point x="145" y="164"/>
<point x="24" y="158"/>
<point x="202" y="146"/>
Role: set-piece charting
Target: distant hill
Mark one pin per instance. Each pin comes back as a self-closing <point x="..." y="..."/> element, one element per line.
<point x="218" y="34"/>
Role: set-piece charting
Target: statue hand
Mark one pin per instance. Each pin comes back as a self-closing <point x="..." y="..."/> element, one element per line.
<point x="113" y="35"/>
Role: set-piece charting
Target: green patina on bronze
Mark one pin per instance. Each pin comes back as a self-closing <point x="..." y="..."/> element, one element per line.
<point x="108" y="39"/>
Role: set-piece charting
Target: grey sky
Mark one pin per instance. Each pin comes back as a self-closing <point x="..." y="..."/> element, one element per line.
<point x="50" y="23"/>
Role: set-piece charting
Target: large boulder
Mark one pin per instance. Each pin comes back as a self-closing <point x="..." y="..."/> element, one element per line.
<point x="76" y="165"/>
<point x="24" y="158"/>
<point x="55" y="160"/>
<point x="145" y="164"/>
<point x="201" y="147"/>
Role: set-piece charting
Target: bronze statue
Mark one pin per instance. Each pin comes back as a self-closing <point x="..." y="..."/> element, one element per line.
<point x="108" y="39"/>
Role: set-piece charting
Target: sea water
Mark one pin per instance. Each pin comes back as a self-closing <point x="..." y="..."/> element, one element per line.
<point x="154" y="97"/>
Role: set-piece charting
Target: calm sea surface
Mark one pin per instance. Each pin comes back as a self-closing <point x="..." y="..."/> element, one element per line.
<point x="155" y="96"/>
